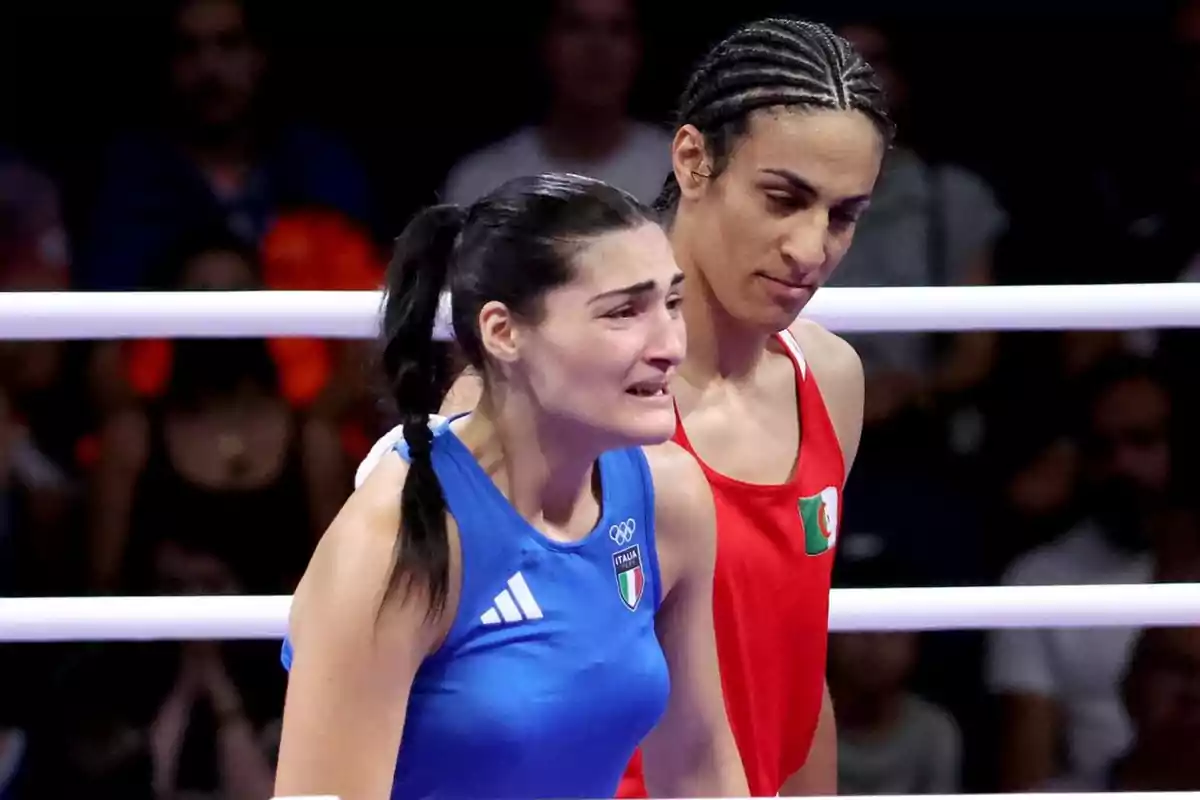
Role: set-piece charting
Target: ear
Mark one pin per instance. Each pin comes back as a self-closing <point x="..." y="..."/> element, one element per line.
<point x="689" y="160"/>
<point x="498" y="332"/>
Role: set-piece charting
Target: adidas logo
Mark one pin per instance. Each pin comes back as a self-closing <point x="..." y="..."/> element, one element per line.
<point x="514" y="604"/>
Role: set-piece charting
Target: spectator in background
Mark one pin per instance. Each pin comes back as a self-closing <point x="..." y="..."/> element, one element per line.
<point x="890" y="741"/>
<point x="217" y="161"/>
<point x="929" y="224"/>
<point x="315" y="250"/>
<point x="1161" y="693"/>
<point x="1032" y="475"/>
<point x="1060" y="689"/>
<point x="40" y="418"/>
<point x="303" y="250"/>
<point x="591" y="51"/>
<point x="32" y="495"/>
<point x="199" y="722"/>
<point x="12" y="763"/>
<point x="1153" y="195"/>
<point x="33" y="240"/>
<point x="216" y="450"/>
<point x="1170" y="234"/>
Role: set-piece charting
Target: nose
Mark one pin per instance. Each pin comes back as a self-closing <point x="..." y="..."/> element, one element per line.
<point x="668" y="341"/>
<point x="804" y="246"/>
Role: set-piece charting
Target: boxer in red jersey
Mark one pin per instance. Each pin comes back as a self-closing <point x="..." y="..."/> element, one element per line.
<point x="781" y="134"/>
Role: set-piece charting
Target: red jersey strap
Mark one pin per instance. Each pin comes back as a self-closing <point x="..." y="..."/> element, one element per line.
<point x="788" y="340"/>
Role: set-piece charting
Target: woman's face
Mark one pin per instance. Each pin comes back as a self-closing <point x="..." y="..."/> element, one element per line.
<point x="772" y="227"/>
<point x="602" y="352"/>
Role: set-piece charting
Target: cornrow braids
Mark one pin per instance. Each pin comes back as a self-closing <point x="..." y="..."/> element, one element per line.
<point x="773" y="62"/>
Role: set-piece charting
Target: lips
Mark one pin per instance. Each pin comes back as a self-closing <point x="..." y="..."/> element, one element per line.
<point x="651" y="388"/>
<point x="790" y="284"/>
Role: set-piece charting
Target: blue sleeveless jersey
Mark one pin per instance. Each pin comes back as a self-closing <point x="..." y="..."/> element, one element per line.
<point x="551" y="673"/>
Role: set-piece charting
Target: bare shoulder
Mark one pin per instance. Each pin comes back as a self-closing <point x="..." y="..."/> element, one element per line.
<point x="679" y="482"/>
<point x="832" y="358"/>
<point x="839" y="373"/>
<point x="685" y="521"/>
<point x="675" y="469"/>
<point x="343" y="588"/>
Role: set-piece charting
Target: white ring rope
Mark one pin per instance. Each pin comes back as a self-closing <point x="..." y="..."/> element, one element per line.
<point x="78" y="315"/>
<point x="63" y="619"/>
<point x="355" y="315"/>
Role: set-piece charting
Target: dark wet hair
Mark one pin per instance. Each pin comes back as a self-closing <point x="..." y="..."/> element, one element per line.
<point x="773" y="62"/>
<point x="511" y="246"/>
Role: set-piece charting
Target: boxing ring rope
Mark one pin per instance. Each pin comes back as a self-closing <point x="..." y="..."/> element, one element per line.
<point x="68" y="619"/>
<point x="350" y="315"/>
<point x="354" y="315"/>
<point x="48" y="316"/>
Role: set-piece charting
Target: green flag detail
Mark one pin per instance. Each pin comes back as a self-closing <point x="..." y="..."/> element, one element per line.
<point x="819" y="515"/>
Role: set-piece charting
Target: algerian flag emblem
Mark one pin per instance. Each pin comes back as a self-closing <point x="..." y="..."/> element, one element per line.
<point x="819" y="515"/>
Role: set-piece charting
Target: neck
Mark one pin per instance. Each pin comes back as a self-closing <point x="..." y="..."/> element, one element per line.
<point x="582" y="134"/>
<point x="718" y="345"/>
<point x="538" y="465"/>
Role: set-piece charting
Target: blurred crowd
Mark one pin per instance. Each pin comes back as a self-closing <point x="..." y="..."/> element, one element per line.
<point x="203" y="467"/>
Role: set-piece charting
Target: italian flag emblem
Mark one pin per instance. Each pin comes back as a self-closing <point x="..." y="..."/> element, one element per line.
<point x="819" y="516"/>
<point x="631" y="578"/>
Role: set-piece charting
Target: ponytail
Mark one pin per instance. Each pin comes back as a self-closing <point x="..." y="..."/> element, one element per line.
<point x="418" y="370"/>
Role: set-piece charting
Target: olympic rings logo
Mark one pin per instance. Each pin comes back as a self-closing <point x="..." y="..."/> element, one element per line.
<point x="622" y="532"/>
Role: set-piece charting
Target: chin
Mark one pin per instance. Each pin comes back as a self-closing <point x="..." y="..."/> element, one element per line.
<point x="765" y="313"/>
<point x="647" y="428"/>
<point x="770" y="319"/>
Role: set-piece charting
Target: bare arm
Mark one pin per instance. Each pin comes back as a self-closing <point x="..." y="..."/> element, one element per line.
<point x="242" y="759"/>
<point x="839" y="373"/>
<point x="691" y="752"/>
<point x="352" y="670"/>
<point x="1020" y="671"/>
<point x="245" y="769"/>
<point x="124" y="444"/>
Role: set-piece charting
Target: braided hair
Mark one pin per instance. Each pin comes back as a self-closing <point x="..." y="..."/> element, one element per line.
<point x="773" y="62"/>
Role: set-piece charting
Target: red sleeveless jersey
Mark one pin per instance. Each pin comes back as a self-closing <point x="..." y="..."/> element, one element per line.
<point x="771" y="596"/>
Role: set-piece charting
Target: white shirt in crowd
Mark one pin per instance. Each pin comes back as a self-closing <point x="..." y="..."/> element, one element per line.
<point x="1081" y="669"/>
<point x="639" y="165"/>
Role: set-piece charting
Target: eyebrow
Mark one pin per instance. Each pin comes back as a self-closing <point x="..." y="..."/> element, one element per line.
<point x="801" y="185"/>
<point x="642" y="287"/>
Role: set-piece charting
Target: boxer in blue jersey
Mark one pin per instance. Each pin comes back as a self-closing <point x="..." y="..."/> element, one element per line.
<point x="515" y="599"/>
